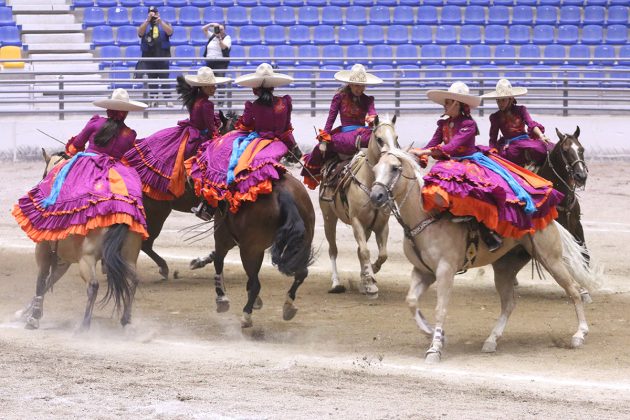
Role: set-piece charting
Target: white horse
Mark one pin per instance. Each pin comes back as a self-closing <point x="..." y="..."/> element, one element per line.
<point x="438" y="248"/>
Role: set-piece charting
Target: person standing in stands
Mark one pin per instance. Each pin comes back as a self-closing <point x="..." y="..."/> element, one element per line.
<point x="217" y="49"/>
<point x="155" y="35"/>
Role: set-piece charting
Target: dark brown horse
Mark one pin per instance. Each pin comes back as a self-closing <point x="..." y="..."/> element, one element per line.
<point x="283" y="220"/>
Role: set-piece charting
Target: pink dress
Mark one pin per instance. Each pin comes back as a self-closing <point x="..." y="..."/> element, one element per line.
<point x="93" y="189"/>
<point x="243" y="163"/>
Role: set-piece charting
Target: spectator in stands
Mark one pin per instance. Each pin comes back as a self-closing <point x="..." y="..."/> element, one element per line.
<point x="356" y="112"/>
<point x="155" y="42"/>
<point x="518" y="145"/>
<point x="218" y="48"/>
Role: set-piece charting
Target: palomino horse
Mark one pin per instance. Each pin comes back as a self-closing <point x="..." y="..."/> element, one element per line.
<point x="115" y="245"/>
<point x="438" y="249"/>
<point x="351" y="204"/>
<point x="283" y="220"/>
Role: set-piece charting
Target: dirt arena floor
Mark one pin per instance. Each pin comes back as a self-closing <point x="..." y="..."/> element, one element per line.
<point x="342" y="356"/>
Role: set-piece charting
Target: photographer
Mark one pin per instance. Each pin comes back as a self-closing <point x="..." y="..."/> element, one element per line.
<point x="218" y="48"/>
<point x="155" y="42"/>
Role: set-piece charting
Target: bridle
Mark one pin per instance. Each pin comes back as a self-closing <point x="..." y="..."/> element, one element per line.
<point x="570" y="196"/>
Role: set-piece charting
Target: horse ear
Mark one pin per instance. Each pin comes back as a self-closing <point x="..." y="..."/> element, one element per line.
<point x="45" y="155"/>
<point x="394" y="119"/>
<point x="376" y="121"/>
<point x="577" y="132"/>
<point x="560" y="135"/>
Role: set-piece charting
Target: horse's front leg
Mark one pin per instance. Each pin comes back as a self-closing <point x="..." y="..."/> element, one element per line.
<point x="420" y="282"/>
<point x="87" y="269"/>
<point x="252" y="261"/>
<point x="368" y="282"/>
<point x="445" y="275"/>
<point x="330" y="230"/>
<point x="381" y="236"/>
<point x="504" y="283"/>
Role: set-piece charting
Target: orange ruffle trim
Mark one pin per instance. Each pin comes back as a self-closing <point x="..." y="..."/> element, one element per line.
<point x="97" y="222"/>
<point x="235" y="200"/>
<point x="157" y="194"/>
<point x="436" y="198"/>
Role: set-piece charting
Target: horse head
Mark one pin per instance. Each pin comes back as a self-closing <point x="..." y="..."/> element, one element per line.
<point x="228" y="121"/>
<point x="52" y="160"/>
<point x="393" y="166"/>
<point x="383" y="138"/>
<point x="572" y="153"/>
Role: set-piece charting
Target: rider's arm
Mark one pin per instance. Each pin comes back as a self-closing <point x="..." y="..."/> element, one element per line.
<point x="77" y="143"/>
<point x="332" y="114"/>
<point x="494" y="132"/>
<point x="461" y="140"/>
<point x="534" y="129"/>
<point x="247" y="120"/>
<point x="208" y="117"/>
<point x="371" y="112"/>
<point x="287" y="136"/>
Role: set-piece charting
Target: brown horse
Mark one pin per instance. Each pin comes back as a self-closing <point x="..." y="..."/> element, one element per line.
<point x="116" y="246"/>
<point x="283" y="220"/>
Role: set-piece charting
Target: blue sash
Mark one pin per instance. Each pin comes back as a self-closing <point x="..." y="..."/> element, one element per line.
<point x="486" y="162"/>
<point x="238" y="147"/>
<point x="517" y="138"/>
<point x="59" y="180"/>
<point x="346" y="128"/>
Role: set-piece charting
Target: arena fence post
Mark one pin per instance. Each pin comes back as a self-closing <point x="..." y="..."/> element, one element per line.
<point x="397" y="96"/>
<point x="565" y="102"/>
<point x="313" y="101"/>
<point x="61" y="97"/>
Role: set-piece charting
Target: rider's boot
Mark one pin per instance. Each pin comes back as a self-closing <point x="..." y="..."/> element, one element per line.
<point x="203" y="211"/>
<point x="492" y="239"/>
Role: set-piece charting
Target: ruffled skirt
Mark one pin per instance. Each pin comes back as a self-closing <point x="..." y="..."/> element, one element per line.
<point x="526" y="151"/>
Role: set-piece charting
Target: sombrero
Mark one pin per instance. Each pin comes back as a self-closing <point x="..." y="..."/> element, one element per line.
<point x="357" y="76"/>
<point x="504" y="89"/>
<point x="264" y="77"/>
<point x="120" y="102"/>
<point x="457" y="92"/>
<point x="205" y="77"/>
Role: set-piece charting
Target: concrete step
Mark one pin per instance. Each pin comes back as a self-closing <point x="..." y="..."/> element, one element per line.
<point x="59" y="39"/>
<point x="40" y="8"/>
<point x="39" y="2"/>
<point x="61" y="57"/>
<point x="51" y="28"/>
<point x="45" y="19"/>
<point x="63" y="67"/>
<point x="59" y="48"/>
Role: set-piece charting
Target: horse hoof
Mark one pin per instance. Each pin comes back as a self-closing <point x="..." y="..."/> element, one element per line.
<point x="433" y="358"/>
<point x="32" y="323"/>
<point x="164" y="273"/>
<point x="586" y="297"/>
<point x="577" y="342"/>
<point x="22" y="315"/>
<point x="372" y="296"/>
<point x="246" y="321"/>
<point x="258" y="303"/>
<point x="175" y="275"/>
<point x="197" y="263"/>
<point x="338" y="289"/>
<point x="288" y="311"/>
<point x="489" y="347"/>
<point x="223" y="304"/>
<point x="371" y="291"/>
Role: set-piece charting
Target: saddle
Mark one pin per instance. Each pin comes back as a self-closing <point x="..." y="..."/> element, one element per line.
<point x="335" y="174"/>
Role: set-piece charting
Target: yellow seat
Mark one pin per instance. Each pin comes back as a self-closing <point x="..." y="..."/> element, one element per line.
<point x="11" y="52"/>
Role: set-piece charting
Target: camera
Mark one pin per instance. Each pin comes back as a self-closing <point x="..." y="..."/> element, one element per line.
<point x="153" y="12"/>
<point x="217" y="30"/>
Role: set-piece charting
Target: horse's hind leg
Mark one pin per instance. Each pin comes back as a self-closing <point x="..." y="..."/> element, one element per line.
<point x="157" y="213"/>
<point x="289" y="310"/>
<point x="252" y="260"/>
<point x="420" y="282"/>
<point x="368" y="282"/>
<point x="330" y="230"/>
<point x="87" y="268"/>
<point x="381" y="236"/>
<point x="223" y="243"/>
<point x="130" y="251"/>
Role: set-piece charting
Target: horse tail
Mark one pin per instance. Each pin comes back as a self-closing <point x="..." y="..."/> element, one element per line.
<point x="290" y="252"/>
<point x="573" y="255"/>
<point x="116" y="267"/>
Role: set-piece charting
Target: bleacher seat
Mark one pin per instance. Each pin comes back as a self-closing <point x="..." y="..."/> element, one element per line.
<point x="303" y="76"/>
<point x="618" y="2"/>
<point x="184" y="55"/>
<point x="120" y="73"/>
<point x="470" y="34"/>
<point x="270" y="3"/>
<point x="176" y="3"/>
<point x="127" y="35"/>
<point x="84" y="3"/>
<point x="516" y="74"/>
<point x="409" y="73"/>
<point x="316" y="3"/>
<point x="111" y="52"/>
<point x="168" y="14"/>
<point x="543" y="34"/>
<point x="101" y="35"/>
<point x="592" y="34"/>
<point x="484" y="3"/>
<point x="598" y="2"/>
<point x="389" y="3"/>
<point x="523" y="15"/>
<point x="397" y="34"/>
<point x="451" y="15"/>
<point x="237" y="16"/>
<point x="541" y="76"/>
<point x="433" y="2"/>
<point x="475" y="15"/>
<point x="207" y="3"/>
<point x="197" y="36"/>
<point x="550" y="2"/>
<point x="327" y="72"/>
<point x="107" y="3"/>
<point x="284" y="16"/>
<point x="332" y="15"/>
<point x="237" y="55"/>
<point x="95" y="16"/>
<point x="498" y="15"/>
<point x="421" y="34"/>
<point x="581" y="52"/>
<point x="116" y="16"/>
<point x="373" y="34"/>
<point x="357" y="54"/>
<point x="249" y="35"/>
<point x="406" y="54"/>
<point x="624" y="55"/>
<point x="445" y="34"/>
<point x="385" y="72"/>
<point x="299" y="34"/>
<point x="348" y="34"/>
<point x="333" y="54"/>
<point x="617" y="15"/>
<point x="324" y="35"/>
<point x="455" y="54"/>
<point x="606" y="54"/>
<point x="382" y="54"/>
<point x="494" y="34"/>
<point x="574" y="2"/>
<point x="274" y="35"/>
<point x="356" y="15"/>
<point x="529" y="54"/>
<point x="518" y="34"/>
<point x="456" y="2"/>
<point x="259" y="54"/>
<point x="308" y="15"/>
<point x="247" y="3"/>
<point x="179" y="36"/>
<point x="293" y="3"/>
<point x="490" y="72"/>
<point x="554" y="54"/>
<point x="132" y="53"/>
<point x="403" y="15"/>
<point x="480" y="54"/>
<point x="567" y="34"/>
<point x="463" y="72"/>
<point x="11" y="52"/>
<point x="434" y="76"/>
<point x="189" y="16"/>
<point x="502" y="3"/>
<point x="617" y="34"/>
<point x="594" y="15"/>
<point x="546" y="15"/>
<point x="261" y="15"/>
<point x="284" y="55"/>
<point x="156" y="3"/>
<point x="430" y="54"/>
<point x="6" y="16"/>
<point x="504" y="54"/>
<point x="138" y="15"/>
<point x="427" y="15"/>
<point x="570" y="15"/>
<point x="379" y="15"/>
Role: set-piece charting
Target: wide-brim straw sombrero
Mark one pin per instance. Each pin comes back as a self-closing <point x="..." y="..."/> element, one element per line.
<point x="458" y="92"/>
<point x="264" y="77"/>
<point x="504" y="89"/>
<point x="205" y="77"/>
<point x="357" y="75"/>
<point x="120" y="101"/>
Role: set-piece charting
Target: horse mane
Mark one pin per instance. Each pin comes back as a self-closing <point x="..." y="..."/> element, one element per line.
<point x="408" y="158"/>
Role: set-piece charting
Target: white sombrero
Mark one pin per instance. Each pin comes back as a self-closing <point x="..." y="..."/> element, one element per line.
<point x="457" y="92"/>
<point x="120" y="102"/>
<point x="205" y="77"/>
<point x="264" y="77"/>
<point x="504" y="89"/>
<point x="357" y="76"/>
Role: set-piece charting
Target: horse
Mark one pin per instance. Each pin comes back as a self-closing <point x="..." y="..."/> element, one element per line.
<point x="116" y="246"/>
<point x="438" y="248"/>
<point x="351" y="204"/>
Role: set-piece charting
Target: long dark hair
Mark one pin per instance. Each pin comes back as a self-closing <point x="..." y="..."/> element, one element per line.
<point x="265" y="96"/>
<point x="464" y="110"/>
<point x="109" y="130"/>
<point x="187" y="93"/>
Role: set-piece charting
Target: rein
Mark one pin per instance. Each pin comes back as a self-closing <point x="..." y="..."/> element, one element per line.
<point x="571" y="198"/>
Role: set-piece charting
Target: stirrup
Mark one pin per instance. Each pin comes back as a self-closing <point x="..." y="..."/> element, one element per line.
<point x="201" y="212"/>
<point x="461" y="219"/>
